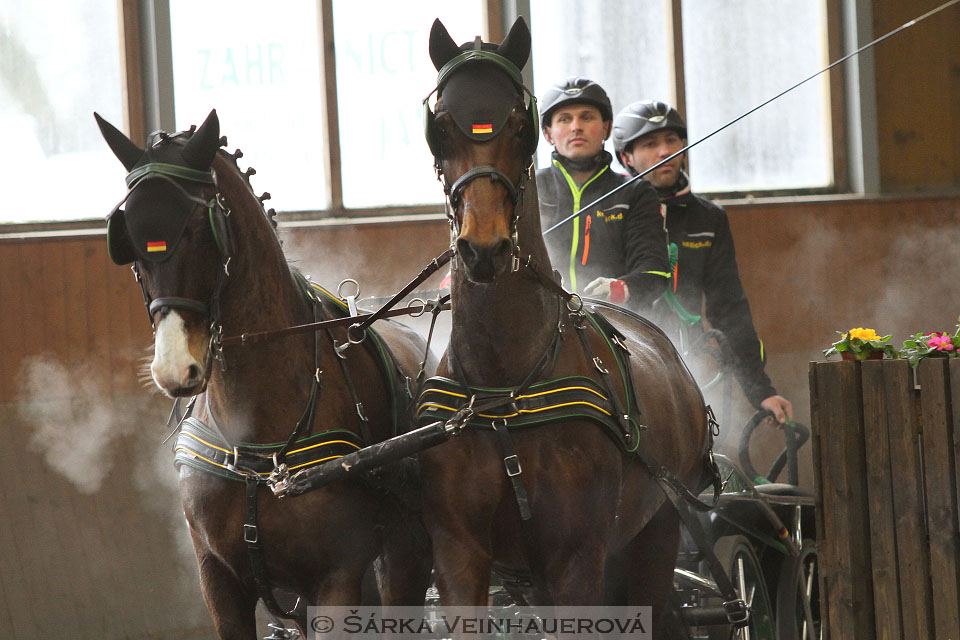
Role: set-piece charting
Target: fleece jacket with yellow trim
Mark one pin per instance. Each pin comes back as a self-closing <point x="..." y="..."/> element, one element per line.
<point x="620" y="237"/>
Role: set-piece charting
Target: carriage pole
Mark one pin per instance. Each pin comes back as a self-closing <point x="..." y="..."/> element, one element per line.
<point x="285" y="484"/>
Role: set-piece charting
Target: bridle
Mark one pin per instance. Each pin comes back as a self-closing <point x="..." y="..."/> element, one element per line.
<point x="454" y="195"/>
<point x="218" y="213"/>
<point x="454" y="192"/>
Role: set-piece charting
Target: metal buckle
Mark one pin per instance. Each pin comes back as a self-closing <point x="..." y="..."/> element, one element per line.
<point x="598" y="363"/>
<point x="738" y="613"/>
<point x="278" y="480"/>
<point x="233" y="466"/>
<point x="617" y="341"/>
<point x="251" y="535"/>
<point x="282" y="633"/>
<point x="512" y="464"/>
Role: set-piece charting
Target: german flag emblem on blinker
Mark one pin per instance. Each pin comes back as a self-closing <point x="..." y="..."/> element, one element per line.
<point x="156" y="246"/>
<point x="482" y="128"/>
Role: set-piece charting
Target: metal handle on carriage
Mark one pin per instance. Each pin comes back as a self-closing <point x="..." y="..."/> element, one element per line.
<point x="795" y="435"/>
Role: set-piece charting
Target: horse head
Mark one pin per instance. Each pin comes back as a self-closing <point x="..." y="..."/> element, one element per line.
<point x="173" y="228"/>
<point x="482" y="133"/>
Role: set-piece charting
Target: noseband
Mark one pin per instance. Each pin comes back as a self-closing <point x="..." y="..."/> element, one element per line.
<point x="455" y="191"/>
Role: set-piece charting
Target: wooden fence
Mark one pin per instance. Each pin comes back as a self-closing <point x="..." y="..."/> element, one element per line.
<point x="885" y="448"/>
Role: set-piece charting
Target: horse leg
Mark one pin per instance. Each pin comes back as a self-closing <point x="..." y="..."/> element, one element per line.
<point x="575" y="578"/>
<point x="650" y="559"/>
<point x="403" y="567"/>
<point x="462" y="564"/>
<point x="232" y="607"/>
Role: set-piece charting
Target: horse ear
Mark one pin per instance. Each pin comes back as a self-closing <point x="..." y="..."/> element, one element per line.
<point x="202" y="146"/>
<point x="123" y="147"/>
<point x="442" y="47"/>
<point x="516" y="46"/>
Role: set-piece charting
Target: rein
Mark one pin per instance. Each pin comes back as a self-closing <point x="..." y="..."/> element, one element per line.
<point x="357" y="330"/>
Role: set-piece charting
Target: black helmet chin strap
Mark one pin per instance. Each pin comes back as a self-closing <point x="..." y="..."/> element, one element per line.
<point x="759" y="106"/>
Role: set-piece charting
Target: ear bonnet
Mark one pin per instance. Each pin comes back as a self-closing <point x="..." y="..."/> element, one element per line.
<point x="484" y="79"/>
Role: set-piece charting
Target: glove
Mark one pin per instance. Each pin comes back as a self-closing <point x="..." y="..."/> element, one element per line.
<point x="615" y="291"/>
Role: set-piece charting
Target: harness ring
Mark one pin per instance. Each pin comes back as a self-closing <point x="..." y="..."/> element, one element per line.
<point x="351" y="331"/>
<point x="575" y="303"/>
<point x="422" y="310"/>
<point x="348" y="281"/>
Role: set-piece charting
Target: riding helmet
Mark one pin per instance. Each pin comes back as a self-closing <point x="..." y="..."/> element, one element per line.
<point x="641" y="118"/>
<point x="575" y="90"/>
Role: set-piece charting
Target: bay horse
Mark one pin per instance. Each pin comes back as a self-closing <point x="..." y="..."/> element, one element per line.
<point x="209" y="261"/>
<point x="529" y="486"/>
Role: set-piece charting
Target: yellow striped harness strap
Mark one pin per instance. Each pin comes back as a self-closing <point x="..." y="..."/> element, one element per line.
<point x="199" y="447"/>
<point x="567" y="398"/>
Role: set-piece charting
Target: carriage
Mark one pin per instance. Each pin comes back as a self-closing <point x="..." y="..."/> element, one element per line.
<point x="557" y="516"/>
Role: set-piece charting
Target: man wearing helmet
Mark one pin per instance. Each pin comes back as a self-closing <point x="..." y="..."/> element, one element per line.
<point x="701" y="249"/>
<point x="615" y="250"/>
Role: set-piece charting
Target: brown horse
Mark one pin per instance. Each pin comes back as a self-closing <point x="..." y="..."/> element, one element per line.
<point x="600" y="529"/>
<point x="210" y="262"/>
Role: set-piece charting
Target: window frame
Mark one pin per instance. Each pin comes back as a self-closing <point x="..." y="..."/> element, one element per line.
<point x="146" y="66"/>
<point x="838" y="100"/>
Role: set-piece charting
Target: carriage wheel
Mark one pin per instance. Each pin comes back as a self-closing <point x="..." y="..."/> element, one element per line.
<point x="798" y="596"/>
<point x="738" y="558"/>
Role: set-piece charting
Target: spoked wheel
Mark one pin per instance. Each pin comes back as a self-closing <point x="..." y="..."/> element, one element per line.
<point x="798" y="596"/>
<point x="739" y="559"/>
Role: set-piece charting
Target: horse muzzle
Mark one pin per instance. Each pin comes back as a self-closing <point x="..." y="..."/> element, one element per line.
<point x="176" y="369"/>
<point x="485" y="263"/>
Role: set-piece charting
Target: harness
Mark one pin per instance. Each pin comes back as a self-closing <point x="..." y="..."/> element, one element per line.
<point x="204" y="447"/>
<point x="536" y="401"/>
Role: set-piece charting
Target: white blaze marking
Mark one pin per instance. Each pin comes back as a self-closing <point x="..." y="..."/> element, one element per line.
<point x="171" y="358"/>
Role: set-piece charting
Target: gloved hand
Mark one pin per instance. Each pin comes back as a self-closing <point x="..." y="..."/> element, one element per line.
<point x="615" y="291"/>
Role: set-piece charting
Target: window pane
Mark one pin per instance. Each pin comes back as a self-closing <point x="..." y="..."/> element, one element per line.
<point x="383" y="74"/>
<point x="59" y="62"/>
<point x="258" y="64"/>
<point x="625" y="47"/>
<point x="737" y="54"/>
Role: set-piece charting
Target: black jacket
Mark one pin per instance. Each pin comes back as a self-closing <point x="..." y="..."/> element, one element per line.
<point x="707" y="266"/>
<point x="620" y="237"/>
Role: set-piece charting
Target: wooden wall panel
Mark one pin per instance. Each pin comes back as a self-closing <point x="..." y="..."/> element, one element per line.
<point x="918" y="84"/>
<point x="941" y="494"/>
<point x="810" y="268"/>
<point x="11" y="320"/>
<point x="101" y="565"/>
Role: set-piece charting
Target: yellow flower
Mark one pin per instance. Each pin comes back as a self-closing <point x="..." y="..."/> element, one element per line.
<point x="863" y="334"/>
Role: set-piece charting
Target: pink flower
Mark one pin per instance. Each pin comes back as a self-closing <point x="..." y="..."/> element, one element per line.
<point x="940" y="342"/>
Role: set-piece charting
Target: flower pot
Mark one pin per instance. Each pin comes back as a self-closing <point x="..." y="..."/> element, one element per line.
<point x="872" y="355"/>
